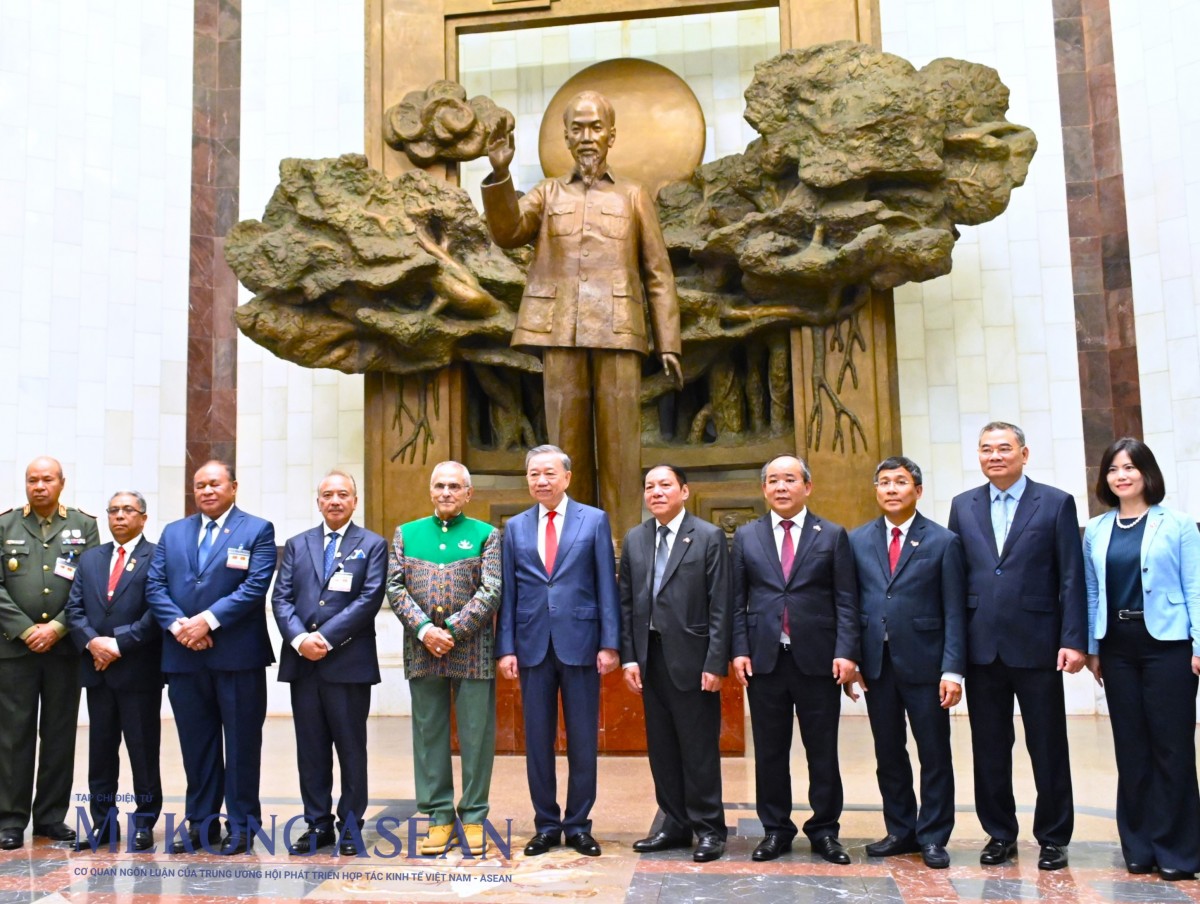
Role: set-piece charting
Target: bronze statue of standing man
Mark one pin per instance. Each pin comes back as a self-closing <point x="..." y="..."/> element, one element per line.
<point x="599" y="264"/>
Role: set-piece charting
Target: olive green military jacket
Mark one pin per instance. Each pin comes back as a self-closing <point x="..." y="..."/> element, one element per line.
<point x="31" y="592"/>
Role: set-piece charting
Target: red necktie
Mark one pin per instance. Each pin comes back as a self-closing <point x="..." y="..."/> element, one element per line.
<point x="551" y="542"/>
<point x="787" y="557"/>
<point x="116" y="572"/>
<point x="894" y="549"/>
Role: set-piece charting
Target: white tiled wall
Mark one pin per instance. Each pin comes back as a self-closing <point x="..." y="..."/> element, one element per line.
<point x="95" y="163"/>
<point x="995" y="339"/>
<point x="1158" y="95"/>
<point x="302" y="96"/>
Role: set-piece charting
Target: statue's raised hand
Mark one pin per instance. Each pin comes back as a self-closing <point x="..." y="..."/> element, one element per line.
<point x="500" y="150"/>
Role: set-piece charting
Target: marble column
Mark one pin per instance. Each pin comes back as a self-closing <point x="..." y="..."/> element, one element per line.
<point x="212" y="287"/>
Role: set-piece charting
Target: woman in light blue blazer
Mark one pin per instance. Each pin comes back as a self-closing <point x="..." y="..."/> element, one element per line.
<point x="1142" y="565"/>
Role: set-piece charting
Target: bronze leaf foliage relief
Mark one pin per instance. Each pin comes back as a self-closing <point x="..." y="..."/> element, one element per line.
<point x="863" y="169"/>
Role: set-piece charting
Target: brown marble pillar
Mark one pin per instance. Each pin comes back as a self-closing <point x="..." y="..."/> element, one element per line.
<point x="212" y="287"/>
<point x="1109" y="385"/>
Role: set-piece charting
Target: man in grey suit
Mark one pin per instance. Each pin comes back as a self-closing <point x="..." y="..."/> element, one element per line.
<point x="675" y="632"/>
<point x="913" y="593"/>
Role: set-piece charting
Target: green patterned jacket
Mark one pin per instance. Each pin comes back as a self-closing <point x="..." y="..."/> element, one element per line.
<point x="447" y="573"/>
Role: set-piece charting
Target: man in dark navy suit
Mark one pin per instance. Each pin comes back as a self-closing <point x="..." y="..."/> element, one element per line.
<point x="559" y="629"/>
<point x="1026" y="625"/>
<point x="795" y="640"/>
<point x="121" y="668"/>
<point x="329" y="589"/>
<point x="912" y="590"/>
<point x="207" y="588"/>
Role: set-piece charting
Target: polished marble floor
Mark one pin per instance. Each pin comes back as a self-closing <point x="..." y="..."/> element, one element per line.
<point x="43" y="871"/>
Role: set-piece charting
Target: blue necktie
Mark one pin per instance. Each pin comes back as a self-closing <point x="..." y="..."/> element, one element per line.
<point x="206" y="544"/>
<point x="330" y="553"/>
<point x="660" y="557"/>
<point x="1000" y="520"/>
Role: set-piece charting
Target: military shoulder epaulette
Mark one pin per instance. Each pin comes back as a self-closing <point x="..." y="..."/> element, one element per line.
<point x="82" y="512"/>
<point x="5" y="512"/>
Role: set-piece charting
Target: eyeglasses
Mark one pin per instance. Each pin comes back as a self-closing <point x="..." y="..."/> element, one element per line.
<point x="452" y="487"/>
<point x="124" y="509"/>
<point x="887" y="483"/>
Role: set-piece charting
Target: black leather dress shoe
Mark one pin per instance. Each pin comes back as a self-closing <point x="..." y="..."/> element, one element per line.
<point x="1052" y="857"/>
<point x="710" y="847"/>
<point x="1174" y="875"/>
<point x="1139" y="869"/>
<point x="540" y="844"/>
<point x="103" y="842"/>
<point x="831" y="849"/>
<point x="771" y="847"/>
<point x="236" y="844"/>
<point x="997" y="851"/>
<point x="892" y="846"/>
<point x="179" y="846"/>
<point x="935" y="856"/>
<point x="143" y="839"/>
<point x="193" y="845"/>
<point x="55" y="831"/>
<point x="585" y="844"/>
<point x="661" y="841"/>
<point x="11" y="839"/>
<point x="347" y="847"/>
<point x="311" y="841"/>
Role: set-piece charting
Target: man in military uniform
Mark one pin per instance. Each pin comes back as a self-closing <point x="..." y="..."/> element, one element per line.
<point x="444" y="585"/>
<point x="39" y="676"/>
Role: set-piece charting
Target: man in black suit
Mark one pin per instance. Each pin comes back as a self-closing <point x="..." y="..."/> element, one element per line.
<point x="913" y="593"/>
<point x="675" y="624"/>
<point x="326" y="596"/>
<point x="1026" y="625"/>
<point x="795" y="640"/>
<point x="121" y="668"/>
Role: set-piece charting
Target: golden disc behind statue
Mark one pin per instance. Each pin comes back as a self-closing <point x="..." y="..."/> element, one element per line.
<point x="660" y="126"/>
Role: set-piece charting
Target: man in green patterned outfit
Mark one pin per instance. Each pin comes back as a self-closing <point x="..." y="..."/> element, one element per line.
<point x="444" y="585"/>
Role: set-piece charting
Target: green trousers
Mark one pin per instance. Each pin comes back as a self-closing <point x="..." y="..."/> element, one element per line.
<point x="475" y="709"/>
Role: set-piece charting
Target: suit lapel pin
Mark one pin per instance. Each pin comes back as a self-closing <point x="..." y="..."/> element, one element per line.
<point x="914" y="543"/>
<point x="816" y="527"/>
<point x="132" y="562"/>
<point x="687" y="539"/>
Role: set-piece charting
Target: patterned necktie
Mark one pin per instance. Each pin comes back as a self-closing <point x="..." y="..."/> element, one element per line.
<point x="894" y="549"/>
<point x="330" y="553"/>
<point x="551" y="542"/>
<point x="787" y="557"/>
<point x="660" y="556"/>
<point x="206" y="545"/>
<point x="116" y="571"/>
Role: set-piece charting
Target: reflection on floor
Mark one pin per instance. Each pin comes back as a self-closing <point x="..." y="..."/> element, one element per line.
<point x="46" y="872"/>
